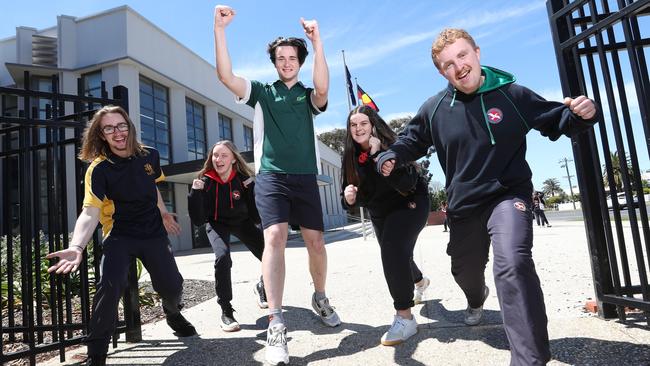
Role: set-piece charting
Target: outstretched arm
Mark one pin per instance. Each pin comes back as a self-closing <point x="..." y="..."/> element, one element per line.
<point x="321" y="74"/>
<point x="223" y="15"/>
<point x="70" y="258"/>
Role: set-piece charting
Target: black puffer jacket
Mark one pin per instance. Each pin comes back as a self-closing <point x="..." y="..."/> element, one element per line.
<point x="227" y="202"/>
<point x="381" y="195"/>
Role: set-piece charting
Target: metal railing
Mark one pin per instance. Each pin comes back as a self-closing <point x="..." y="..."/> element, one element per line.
<point x="40" y="189"/>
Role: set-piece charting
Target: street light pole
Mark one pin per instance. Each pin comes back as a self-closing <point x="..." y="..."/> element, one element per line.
<point x="564" y="163"/>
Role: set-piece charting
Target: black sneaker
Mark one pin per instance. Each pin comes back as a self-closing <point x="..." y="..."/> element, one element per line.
<point x="96" y="360"/>
<point x="261" y="295"/>
<point x="228" y="321"/>
<point x="180" y="325"/>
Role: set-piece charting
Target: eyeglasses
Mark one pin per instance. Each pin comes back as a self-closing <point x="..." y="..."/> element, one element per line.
<point x="122" y="127"/>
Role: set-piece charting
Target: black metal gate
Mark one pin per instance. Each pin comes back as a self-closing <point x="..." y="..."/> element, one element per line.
<point x="601" y="49"/>
<point x="41" y="191"/>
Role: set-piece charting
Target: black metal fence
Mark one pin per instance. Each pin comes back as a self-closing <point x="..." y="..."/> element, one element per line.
<point x="41" y="191"/>
<point x="601" y="49"/>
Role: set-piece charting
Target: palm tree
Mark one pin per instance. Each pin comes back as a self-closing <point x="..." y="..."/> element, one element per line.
<point x="617" y="172"/>
<point x="551" y="186"/>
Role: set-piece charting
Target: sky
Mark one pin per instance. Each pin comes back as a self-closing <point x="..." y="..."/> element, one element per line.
<point x="386" y="43"/>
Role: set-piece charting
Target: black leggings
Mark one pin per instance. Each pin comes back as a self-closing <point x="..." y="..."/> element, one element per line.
<point x="249" y="234"/>
<point x="396" y="233"/>
<point x="541" y="217"/>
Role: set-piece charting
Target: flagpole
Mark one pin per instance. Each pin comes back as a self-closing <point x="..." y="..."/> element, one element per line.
<point x="345" y="67"/>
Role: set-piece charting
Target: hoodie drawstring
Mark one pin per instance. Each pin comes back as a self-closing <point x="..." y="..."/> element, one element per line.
<point x="487" y="123"/>
<point x="216" y="201"/>
<point x="230" y="186"/>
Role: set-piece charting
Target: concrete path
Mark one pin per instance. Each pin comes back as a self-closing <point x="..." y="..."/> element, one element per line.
<point x="357" y="289"/>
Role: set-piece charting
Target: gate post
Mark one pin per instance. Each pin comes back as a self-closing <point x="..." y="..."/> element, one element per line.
<point x="587" y="164"/>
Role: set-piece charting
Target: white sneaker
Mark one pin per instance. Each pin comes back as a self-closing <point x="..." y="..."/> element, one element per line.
<point x="325" y="311"/>
<point x="401" y="330"/>
<point x="418" y="293"/>
<point x="473" y="316"/>
<point x="277" y="351"/>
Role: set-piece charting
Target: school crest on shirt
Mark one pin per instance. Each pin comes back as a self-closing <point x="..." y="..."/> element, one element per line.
<point x="494" y="115"/>
<point x="520" y="206"/>
<point x="148" y="169"/>
<point x="236" y="194"/>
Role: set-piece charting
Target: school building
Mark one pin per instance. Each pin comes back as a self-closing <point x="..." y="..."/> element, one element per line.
<point x="175" y="99"/>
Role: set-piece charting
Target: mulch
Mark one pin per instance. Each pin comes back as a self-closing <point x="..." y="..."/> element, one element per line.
<point x="194" y="293"/>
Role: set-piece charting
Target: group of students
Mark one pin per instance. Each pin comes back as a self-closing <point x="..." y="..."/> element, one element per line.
<point x="478" y="126"/>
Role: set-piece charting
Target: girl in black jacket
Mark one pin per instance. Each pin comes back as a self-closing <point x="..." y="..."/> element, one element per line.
<point x="399" y="207"/>
<point x="222" y="199"/>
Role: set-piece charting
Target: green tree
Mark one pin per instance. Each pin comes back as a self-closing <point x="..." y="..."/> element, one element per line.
<point x="398" y="124"/>
<point x="551" y="186"/>
<point x="335" y="139"/>
<point x="617" y="171"/>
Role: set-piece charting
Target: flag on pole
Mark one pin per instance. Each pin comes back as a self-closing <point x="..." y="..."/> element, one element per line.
<point x="348" y="81"/>
<point x="365" y="99"/>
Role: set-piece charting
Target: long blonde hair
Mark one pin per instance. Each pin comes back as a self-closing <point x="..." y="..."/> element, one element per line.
<point x="92" y="143"/>
<point x="240" y="164"/>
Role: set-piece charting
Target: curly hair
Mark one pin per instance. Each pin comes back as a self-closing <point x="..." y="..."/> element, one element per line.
<point x="447" y="37"/>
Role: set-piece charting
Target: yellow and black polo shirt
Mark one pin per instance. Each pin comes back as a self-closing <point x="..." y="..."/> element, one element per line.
<point x="124" y="189"/>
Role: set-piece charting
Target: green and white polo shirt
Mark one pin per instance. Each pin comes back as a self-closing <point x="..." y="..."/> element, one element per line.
<point x="283" y="127"/>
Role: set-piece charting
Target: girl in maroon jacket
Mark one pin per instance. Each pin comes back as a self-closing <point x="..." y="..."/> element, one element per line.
<point x="222" y="199"/>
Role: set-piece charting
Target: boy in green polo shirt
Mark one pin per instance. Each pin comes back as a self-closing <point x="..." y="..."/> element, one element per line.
<point x="286" y="164"/>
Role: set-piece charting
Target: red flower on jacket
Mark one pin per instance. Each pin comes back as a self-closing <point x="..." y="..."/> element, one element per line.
<point x="363" y="157"/>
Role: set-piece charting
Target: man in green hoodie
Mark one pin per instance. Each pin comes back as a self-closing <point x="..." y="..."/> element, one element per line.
<point x="478" y="126"/>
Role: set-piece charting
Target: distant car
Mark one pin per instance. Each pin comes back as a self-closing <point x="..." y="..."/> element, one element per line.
<point x="622" y="201"/>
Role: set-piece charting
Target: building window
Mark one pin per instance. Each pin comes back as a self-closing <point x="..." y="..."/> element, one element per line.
<point x="9" y="105"/>
<point x="194" y="113"/>
<point x="154" y="118"/>
<point x="93" y="87"/>
<point x="248" y="138"/>
<point x="43" y="84"/>
<point x="225" y="127"/>
<point x="167" y="194"/>
<point x="93" y="84"/>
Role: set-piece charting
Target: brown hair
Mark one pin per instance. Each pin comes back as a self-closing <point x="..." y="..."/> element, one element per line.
<point x="381" y="130"/>
<point x="298" y="43"/>
<point x="240" y="164"/>
<point x="447" y="37"/>
<point x="92" y="142"/>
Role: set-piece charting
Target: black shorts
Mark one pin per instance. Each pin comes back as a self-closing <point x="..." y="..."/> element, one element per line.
<point x="290" y="198"/>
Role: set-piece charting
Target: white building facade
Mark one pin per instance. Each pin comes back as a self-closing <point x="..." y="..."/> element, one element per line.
<point x="175" y="99"/>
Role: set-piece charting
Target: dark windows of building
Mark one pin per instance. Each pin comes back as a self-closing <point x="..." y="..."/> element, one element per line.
<point x="154" y="118"/>
<point x="225" y="127"/>
<point x="248" y="138"/>
<point x="9" y="105"/>
<point x="167" y="192"/>
<point x="43" y="84"/>
<point x="194" y="113"/>
<point x="93" y="87"/>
